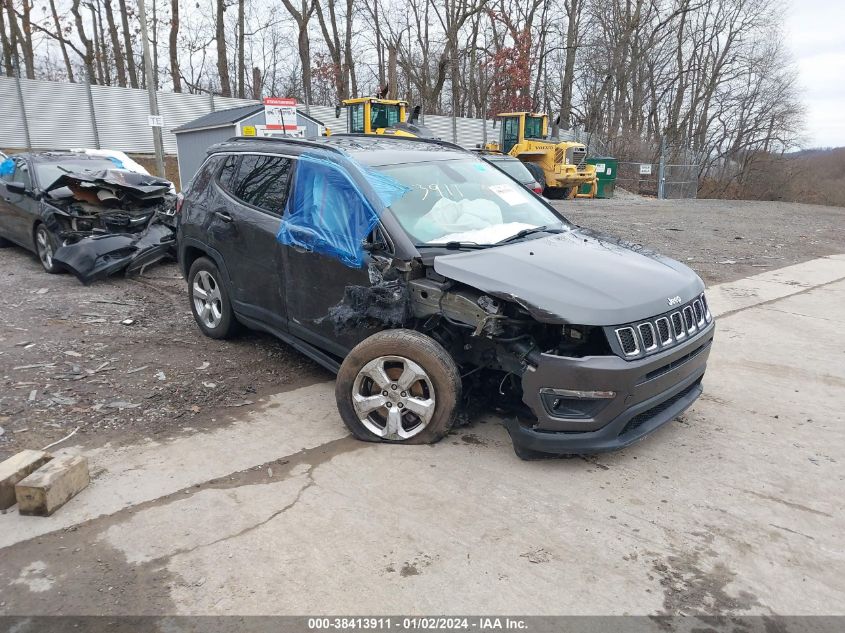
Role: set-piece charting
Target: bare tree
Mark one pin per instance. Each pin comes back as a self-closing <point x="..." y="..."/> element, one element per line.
<point x="173" y="43"/>
<point x="222" y="61"/>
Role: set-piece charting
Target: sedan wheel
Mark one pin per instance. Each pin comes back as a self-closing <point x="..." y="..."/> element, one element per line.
<point x="44" y="247"/>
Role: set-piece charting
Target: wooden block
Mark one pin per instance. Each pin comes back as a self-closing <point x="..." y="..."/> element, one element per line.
<point x="51" y="486"/>
<point x="16" y="468"/>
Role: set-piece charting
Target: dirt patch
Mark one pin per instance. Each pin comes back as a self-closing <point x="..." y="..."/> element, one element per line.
<point x="722" y="240"/>
<point x="122" y="360"/>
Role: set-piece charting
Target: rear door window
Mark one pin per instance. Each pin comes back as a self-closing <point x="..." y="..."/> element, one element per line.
<point x="262" y="181"/>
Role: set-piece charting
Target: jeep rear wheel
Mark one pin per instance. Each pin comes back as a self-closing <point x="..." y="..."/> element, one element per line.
<point x="398" y="386"/>
<point x="209" y="300"/>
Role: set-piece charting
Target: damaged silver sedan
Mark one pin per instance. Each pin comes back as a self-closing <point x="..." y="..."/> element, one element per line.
<point x="434" y="284"/>
<point x="85" y="213"/>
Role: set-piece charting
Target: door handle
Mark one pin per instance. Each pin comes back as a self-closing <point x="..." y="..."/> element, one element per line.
<point x="224" y="216"/>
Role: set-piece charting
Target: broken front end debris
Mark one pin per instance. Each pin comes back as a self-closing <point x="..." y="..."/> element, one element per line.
<point x="110" y="221"/>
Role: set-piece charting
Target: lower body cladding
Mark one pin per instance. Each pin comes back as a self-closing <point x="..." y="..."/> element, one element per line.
<point x="602" y="403"/>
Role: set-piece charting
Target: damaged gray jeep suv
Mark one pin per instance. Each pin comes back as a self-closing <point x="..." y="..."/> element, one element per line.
<point x="431" y="282"/>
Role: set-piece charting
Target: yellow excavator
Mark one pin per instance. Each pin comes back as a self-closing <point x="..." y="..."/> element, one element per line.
<point x="375" y="115"/>
<point x="559" y="166"/>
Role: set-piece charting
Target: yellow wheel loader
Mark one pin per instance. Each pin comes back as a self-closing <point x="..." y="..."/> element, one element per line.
<point x="373" y="115"/>
<point x="559" y="166"/>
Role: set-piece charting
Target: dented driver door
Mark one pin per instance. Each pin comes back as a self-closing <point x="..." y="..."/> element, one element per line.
<point x="316" y="287"/>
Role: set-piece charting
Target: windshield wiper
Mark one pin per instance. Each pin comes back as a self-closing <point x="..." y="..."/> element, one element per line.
<point x="532" y="230"/>
<point x="453" y="246"/>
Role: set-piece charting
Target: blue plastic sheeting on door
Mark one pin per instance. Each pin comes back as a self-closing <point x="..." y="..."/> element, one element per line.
<point x="328" y="213"/>
<point x="7" y="167"/>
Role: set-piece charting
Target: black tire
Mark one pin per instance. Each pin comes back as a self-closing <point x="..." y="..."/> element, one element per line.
<point x="442" y="384"/>
<point x="220" y="321"/>
<point x="537" y="172"/>
<point x="45" y="244"/>
<point x="557" y="193"/>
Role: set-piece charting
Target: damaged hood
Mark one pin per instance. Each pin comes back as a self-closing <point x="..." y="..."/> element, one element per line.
<point x="119" y="182"/>
<point x="578" y="277"/>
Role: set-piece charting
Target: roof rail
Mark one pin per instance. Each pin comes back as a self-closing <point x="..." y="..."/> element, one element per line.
<point x="416" y="139"/>
<point x="271" y="139"/>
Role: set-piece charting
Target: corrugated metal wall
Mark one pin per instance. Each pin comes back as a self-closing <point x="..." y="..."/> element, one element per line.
<point x="59" y="117"/>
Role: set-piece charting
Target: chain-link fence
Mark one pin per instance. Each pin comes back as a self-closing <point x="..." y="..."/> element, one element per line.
<point x="679" y="180"/>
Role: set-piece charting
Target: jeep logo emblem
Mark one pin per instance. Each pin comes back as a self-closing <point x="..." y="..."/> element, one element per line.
<point x="673" y="301"/>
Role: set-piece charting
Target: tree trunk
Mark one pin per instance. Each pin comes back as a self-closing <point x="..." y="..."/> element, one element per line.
<point x="127" y="45"/>
<point x="392" y="71"/>
<point x="173" y="43"/>
<point x="115" y="43"/>
<point x="28" y="54"/>
<point x="573" y="11"/>
<point x="256" y="83"/>
<point x="222" y="62"/>
<point x="6" y="44"/>
<point x="241" y="61"/>
<point x="87" y="44"/>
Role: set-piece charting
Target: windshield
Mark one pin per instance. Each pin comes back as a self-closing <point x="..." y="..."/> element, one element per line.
<point x="384" y="115"/>
<point x="48" y="173"/>
<point x="533" y="127"/>
<point x="464" y="201"/>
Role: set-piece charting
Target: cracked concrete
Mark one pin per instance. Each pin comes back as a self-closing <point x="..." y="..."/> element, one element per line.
<point x="736" y="508"/>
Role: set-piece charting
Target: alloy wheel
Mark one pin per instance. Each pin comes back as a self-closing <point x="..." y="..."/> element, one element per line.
<point x="208" y="301"/>
<point x="44" y="246"/>
<point x="393" y="397"/>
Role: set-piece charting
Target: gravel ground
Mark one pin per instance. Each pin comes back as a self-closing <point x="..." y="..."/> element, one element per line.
<point x="123" y="360"/>
<point x="722" y="240"/>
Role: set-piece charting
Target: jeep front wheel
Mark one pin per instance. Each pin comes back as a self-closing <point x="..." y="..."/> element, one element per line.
<point x="398" y="386"/>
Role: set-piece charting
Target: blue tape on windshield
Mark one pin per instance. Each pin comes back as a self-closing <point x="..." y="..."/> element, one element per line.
<point x="116" y="161"/>
<point x="7" y="167"/>
<point x="328" y="212"/>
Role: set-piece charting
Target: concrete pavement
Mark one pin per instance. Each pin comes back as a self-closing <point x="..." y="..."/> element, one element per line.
<point x="736" y="508"/>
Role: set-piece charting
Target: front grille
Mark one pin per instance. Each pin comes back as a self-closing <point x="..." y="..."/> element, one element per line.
<point x="689" y="319"/>
<point x="640" y="419"/>
<point x="678" y="326"/>
<point x="628" y="341"/>
<point x="558" y="156"/>
<point x="577" y="156"/>
<point x="663" y="331"/>
<point x="647" y="334"/>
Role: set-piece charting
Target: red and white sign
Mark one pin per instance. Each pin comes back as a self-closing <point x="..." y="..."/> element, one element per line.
<point x="280" y="113"/>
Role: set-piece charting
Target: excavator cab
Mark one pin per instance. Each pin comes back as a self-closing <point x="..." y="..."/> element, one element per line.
<point x="519" y="126"/>
<point x="368" y="115"/>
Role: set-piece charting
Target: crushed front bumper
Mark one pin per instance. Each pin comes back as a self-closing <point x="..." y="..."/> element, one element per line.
<point x="647" y="394"/>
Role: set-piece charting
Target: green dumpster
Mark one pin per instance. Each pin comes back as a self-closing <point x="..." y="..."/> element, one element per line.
<point x="605" y="176"/>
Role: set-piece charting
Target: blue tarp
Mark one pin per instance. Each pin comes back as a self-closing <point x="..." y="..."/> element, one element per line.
<point x="7" y="167"/>
<point x="327" y="212"/>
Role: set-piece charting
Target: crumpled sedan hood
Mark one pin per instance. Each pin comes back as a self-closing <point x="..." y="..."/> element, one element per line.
<point x="577" y="277"/>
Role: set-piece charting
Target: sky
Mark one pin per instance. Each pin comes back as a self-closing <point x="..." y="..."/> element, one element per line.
<point x="815" y="31"/>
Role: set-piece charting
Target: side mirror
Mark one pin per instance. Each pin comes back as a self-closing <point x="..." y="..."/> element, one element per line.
<point x="337" y="112"/>
<point x="16" y="187"/>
